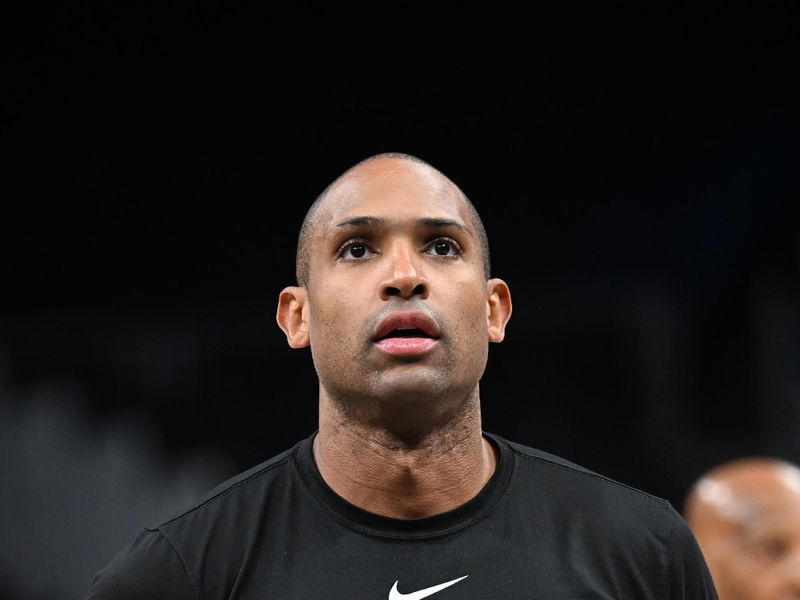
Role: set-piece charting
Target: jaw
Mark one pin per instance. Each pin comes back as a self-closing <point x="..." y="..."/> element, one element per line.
<point x="403" y="397"/>
<point x="405" y="416"/>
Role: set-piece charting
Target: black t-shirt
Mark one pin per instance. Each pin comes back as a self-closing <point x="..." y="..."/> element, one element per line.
<point x="542" y="528"/>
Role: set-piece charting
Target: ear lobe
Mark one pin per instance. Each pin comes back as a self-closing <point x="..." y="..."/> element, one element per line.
<point x="292" y="315"/>
<point x="498" y="308"/>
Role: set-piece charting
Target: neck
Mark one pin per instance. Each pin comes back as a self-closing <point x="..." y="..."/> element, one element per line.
<point x="402" y="474"/>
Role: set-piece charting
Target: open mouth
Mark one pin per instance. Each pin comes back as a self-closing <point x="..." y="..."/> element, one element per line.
<point x="406" y="333"/>
<point x="411" y="332"/>
<point x="407" y="324"/>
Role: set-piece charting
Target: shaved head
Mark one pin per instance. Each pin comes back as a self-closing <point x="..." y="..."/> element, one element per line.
<point x="740" y="490"/>
<point x="302" y="259"/>
<point x="746" y="517"/>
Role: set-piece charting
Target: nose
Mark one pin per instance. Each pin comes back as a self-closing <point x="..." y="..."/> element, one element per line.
<point x="405" y="277"/>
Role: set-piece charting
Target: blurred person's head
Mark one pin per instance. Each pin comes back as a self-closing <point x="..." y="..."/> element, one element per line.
<point x="745" y="515"/>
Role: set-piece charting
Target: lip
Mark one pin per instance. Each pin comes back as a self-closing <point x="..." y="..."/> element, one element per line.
<point x="406" y="346"/>
<point x="407" y="320"/>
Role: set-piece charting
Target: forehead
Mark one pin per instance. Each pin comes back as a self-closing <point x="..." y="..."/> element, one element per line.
<point x="770" y="496"/>
<point x="775" y="518"/>
<point x="394" y="189"/>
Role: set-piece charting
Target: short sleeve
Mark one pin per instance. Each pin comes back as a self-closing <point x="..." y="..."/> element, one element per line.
<point x="147" y="569"/>
<point x="688" y="577"/>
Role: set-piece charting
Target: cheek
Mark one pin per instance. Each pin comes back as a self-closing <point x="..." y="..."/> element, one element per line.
<point x="471" y="303"/>
<point x="333" y="318"/>
<point x="750" y="577"/>
<point x="468" y="318"/>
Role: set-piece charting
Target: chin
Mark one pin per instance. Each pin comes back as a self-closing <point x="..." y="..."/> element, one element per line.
<point x="426" y="391"/>
<point x="413" y="379"/>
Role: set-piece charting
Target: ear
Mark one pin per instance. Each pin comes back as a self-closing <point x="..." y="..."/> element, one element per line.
<point x="498" y="308"/>
<point x="292" y="315"/>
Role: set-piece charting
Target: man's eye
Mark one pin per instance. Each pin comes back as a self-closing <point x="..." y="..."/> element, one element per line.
<point x="357" y="250"/>
<point x="444" y="247"/>
<point x="354" y="250"/>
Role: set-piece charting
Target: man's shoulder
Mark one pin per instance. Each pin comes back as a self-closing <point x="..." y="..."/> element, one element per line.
<point x="219" y="527"/>
<point x="605" y="517"/>
<point x="615" y="514"/>
<point x="561" y="478"/>
<point x="247" y="488"/>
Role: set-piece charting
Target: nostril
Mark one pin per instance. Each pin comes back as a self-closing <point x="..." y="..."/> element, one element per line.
<point x="390" y="291"/>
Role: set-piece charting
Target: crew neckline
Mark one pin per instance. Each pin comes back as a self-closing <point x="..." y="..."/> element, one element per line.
<point x="473" y="510"/>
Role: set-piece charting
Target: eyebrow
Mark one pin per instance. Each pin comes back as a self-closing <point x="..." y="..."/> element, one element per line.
<point x="432" y="222"/>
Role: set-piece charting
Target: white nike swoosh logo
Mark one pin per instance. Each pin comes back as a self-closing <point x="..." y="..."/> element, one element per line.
<point x="420" y="594"/>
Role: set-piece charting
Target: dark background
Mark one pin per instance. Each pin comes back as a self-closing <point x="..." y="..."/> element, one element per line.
<point x="635" y="168"/>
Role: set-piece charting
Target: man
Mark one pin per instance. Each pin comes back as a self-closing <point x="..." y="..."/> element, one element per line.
<point x="746" y="516"/>
<point x="400" y="494"/>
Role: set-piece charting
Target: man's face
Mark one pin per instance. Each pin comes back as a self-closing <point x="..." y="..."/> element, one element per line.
<point x="757" y="557"/>
<point x="397" y="295"/>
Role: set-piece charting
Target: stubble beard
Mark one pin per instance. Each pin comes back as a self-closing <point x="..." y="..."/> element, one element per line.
<point x="408" y="401"/>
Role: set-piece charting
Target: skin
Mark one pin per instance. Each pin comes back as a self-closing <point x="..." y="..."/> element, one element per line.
<point x="746" y="517"/>
<point x="398" y="436"/>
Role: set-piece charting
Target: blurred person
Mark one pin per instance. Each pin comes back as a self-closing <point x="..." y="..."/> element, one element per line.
<point x="746" y="516"/>
<point x="399" y="493"/>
